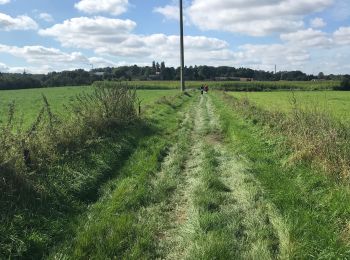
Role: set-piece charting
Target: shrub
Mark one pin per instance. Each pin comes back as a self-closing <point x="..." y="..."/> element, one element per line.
<point x="113" y="104"/>
<point x="345" y="83"/>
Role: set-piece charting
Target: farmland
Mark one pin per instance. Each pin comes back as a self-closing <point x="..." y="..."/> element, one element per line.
<point x="220" y="175"/>
<point x="29" y="101"/>
<point x="240" y="85"/>
<point x="336" y="103"/>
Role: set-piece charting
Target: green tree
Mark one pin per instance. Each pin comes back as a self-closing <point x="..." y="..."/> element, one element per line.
<point x="345" y="83"/>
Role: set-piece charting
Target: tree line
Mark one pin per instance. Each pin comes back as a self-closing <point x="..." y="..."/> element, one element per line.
<point x="24" y="80"/>
<point x="157" y="71"/>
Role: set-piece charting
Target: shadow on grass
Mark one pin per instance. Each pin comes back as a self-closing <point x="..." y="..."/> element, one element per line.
<point x="34" y="223"/>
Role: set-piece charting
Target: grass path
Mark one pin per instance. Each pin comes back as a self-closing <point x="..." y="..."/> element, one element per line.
<point x="218" y="209"/>
<point x="183" y="194"/>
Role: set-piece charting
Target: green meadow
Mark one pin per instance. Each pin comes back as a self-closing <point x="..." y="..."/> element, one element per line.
<point x="335" y="103"/>
<point x="29" y="101"/>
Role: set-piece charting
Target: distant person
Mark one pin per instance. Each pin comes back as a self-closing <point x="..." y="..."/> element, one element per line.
<point x="206" y="88"/>
<point x="202" y="89"/>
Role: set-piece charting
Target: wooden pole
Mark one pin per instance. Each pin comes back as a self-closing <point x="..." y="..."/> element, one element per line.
<point x="182" y="49"/>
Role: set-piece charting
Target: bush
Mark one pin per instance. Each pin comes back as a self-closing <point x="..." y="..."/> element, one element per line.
<point x="114" y="105"/>
<point x="345" y="83"/>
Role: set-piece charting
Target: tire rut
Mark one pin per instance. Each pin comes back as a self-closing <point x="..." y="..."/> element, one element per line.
<point x="258" y="232"/>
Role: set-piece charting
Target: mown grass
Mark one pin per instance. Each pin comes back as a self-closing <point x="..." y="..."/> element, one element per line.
<point x="216" y="236"/>
<point x="233" y="220"/>
<point x="314" y="205"/>
<point x="335" y="103"/>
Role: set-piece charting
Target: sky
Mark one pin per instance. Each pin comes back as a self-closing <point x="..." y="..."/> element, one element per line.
<point x="39" y="36"/>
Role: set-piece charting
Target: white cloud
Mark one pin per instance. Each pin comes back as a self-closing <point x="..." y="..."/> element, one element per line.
<point x="170" y="12"/>
<point x="317" y="23"/>
<point x="3" y="67"/>
<point x="342" y="36"/>
<point x="98" y="62"/>
<point x="268" y="55"/>
<point x="253" y="17"/>
<point x="30" y="69"/>
<point x="114" y="37"/>
<point x="88" y="33"/>
<point x="307" y="38"/>
<point x="43" y="55"/>
<point x="42" y="59"/>
<point x="114" y="7"/>
<point x="2" y="2"/>
<point x="46" y="17"/>
<point x="22" y="22"/>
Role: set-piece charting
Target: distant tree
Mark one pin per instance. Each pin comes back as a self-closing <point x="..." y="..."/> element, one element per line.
<point x="321" y="75"/>
<point x="195" y="74"/>
<point x="146" y="72"/>
<point x="162" y="66"/>
<point x="168" y="74"/>
<point x="154" y="68"/>
<point x="345" y="83"/>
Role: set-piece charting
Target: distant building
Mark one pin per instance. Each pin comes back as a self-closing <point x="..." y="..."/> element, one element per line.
<point x="233" y="79"/>
<point x="246" y="79"/>
<point x="100" y="74"/>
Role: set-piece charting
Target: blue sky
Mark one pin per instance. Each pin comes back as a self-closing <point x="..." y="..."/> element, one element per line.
<point x="46" y="35"/>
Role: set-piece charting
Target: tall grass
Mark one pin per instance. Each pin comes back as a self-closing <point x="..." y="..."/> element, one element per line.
<point x="314" y="205"/>
<point x="44" y="170"/>
<point x="312" y="134"/>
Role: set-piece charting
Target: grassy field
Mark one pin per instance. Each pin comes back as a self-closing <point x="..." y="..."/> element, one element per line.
<point x="196" y="177"/>
<point x="336" y="103"/>
<point x="29" y="102"/>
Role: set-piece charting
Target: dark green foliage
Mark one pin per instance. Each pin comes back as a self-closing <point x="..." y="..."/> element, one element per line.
<point x="345" y="83"/>
<point x="157" y="72"/>
<point x="19" y="81"/>
<point x="69" y="78"/>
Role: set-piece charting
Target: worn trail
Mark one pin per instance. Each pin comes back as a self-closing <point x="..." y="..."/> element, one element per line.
<point x="218" y="209"/>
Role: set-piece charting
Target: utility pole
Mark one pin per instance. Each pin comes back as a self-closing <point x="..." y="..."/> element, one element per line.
<point x="182" y="49"/>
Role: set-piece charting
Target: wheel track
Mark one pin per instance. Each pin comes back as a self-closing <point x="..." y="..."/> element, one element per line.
<point x="259" y="231"/>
